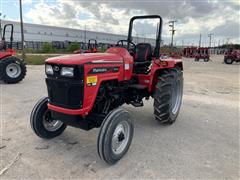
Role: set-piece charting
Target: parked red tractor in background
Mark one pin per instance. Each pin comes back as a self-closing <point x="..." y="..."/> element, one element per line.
<point x="12" y="69"/>
<point x="86" y="90"/>
<point x="202" y="53"/>
<point x="232" y="55"/>
<point x="91" y="48"/>
<point x="189" y="52"/>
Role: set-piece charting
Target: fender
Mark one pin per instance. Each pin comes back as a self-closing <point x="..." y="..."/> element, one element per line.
<point x="8" y="52"/>
<point x="165" y="64"/>
<point x="150" y="80"/>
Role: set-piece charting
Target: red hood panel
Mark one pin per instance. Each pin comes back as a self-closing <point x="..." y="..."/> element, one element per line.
<point x="84" y="58"/>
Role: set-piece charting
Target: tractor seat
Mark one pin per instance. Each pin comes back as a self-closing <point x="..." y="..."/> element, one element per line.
<point x="143" y="57"/>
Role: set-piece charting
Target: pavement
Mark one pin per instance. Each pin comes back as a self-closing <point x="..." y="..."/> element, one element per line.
<point x="203" y="143"/>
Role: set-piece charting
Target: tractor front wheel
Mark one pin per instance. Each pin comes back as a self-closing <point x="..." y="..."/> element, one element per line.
<point x="168" y="96"/>
<point x="42" y="122"/>
<point x="115" y="136"/>
<point x="206" y="59"/>
<point x="13" y="70"/>
<point x="228" y="60"/>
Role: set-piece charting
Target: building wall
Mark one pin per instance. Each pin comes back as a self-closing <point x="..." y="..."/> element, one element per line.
<point x="42" y="33"/>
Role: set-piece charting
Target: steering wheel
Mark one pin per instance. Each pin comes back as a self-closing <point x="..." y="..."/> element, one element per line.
<point x="132" y="46"/>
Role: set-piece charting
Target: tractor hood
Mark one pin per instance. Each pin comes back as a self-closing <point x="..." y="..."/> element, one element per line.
<point x="76" y="59"/>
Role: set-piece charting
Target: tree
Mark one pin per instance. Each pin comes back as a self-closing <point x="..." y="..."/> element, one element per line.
<point x="73" y="47"/>
<point x="47" y="48"/>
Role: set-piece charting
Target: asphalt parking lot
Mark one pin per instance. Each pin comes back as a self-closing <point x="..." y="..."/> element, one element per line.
<point x="203" y="143"/>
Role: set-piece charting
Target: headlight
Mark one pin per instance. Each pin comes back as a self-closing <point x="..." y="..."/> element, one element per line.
<point x="67" y="71"/>
<point x="49" y="69"/>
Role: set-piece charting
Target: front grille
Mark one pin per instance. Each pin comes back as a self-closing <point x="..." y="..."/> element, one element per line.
<point x="66" y="92"/>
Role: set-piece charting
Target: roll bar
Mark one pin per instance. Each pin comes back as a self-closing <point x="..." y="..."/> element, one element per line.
<point x="159" y="32"/>
<point x="89" y="43"/>
<point x="11" y="33"/>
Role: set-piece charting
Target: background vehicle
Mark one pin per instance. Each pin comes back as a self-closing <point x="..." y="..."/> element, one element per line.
<point x="232" y="55"/>
<point x="85" y="91"/>
<point x="189" y="52"/>
<point x="12" y="69"/>
<point x="202" y="53"/>
<point x="92" y="47"/>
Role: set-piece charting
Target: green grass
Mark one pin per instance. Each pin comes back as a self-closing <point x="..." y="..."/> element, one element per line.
<point x="36" y="59"/>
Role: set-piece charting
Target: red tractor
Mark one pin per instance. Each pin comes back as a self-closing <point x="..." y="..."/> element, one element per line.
<point x="202" y="53"/>
<point x="12" y="69"/>
<point x="189" y="52"/>
<point x="231" y="56"/>
<point x="92" y="47"/>
<point x="86" y="90"/>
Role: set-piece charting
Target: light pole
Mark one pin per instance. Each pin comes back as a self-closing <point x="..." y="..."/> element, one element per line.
<point x="22" y="31"/>
<point x="210" y="39"/>
<point x="200" y="39"/>
<point x="171" y="24"/>
<point x="85" y="34"/>
<point x="228" y="40"/>
<point x="1" y="17"/>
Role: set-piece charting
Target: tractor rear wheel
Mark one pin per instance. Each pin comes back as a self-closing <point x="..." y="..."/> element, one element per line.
<point x="115" y="136"/>
<point x="168" y="96"/>
<point x="12" y="69"/>
<point x="228" y="60"/>
<point x="42" y="122"/>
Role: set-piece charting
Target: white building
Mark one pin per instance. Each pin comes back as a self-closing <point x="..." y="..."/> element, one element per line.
<point x="35" y="33"/>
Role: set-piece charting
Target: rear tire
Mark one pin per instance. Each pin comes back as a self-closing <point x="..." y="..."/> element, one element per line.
<point x="115" y="136"/>
<point x="12" y="70"/>
<point x="41" y="121"/>
<point x="168" y="96"/>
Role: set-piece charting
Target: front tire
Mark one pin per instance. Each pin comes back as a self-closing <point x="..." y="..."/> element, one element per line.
<point x="228" y="60"/>
<point x="168" y="96"/>
<point x="13" y="70"/>
<point x="42" y="123"/>
<point x="206" y="59"/>
<point x="115" y="136"/>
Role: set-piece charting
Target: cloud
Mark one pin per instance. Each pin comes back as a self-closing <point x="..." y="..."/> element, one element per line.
<point x="24" y="2"/>
<point x="193" y="16"/>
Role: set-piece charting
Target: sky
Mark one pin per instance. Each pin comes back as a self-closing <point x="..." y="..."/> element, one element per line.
<point x="194" y="17"/>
